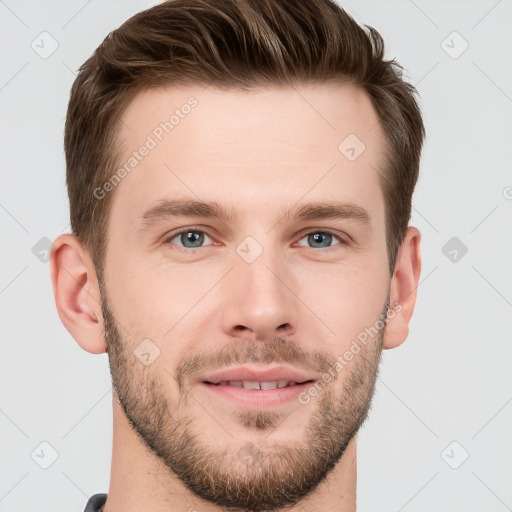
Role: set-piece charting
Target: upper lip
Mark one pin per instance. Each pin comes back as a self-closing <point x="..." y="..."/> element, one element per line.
<point x="241" y="373"/>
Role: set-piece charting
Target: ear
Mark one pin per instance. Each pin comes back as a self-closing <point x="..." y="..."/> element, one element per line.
<point x="404" y="284"/>
<point x="76" y="292"/>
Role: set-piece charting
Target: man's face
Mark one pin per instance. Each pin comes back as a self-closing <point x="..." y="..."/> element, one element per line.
<point x="265" y="289"/>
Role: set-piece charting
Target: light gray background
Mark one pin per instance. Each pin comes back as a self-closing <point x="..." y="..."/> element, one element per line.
<point x="450" y="381"/>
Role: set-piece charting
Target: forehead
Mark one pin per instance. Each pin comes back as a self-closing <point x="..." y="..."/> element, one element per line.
<point x="245" y="148"/>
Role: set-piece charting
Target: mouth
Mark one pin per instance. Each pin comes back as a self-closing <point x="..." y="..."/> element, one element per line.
<point x="256" y="385"/>
<point x="254" y="388"/>
<point x="257" y="377"/>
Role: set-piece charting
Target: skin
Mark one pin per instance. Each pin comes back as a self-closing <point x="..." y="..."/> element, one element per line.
<point x="261" y="154"/>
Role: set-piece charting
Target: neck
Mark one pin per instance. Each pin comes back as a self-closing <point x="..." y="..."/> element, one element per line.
<point x="139" y="481"/>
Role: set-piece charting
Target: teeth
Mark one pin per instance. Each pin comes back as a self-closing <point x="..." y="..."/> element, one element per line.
<point x="250" y="384"/>
<point x="268" y="385"/>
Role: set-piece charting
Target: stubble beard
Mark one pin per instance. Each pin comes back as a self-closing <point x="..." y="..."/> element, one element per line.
<point x="248" y="474"/>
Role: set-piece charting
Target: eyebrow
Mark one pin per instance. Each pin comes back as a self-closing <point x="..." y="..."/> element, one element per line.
<point x="185" y="208"/>
<point x="320" y="210"/>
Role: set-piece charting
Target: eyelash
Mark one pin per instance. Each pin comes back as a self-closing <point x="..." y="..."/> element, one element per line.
<point x="190" y="249"/>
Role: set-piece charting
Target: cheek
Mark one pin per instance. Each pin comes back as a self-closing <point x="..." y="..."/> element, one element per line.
<point x="151" y="300"/>
<point x="347" y="300"/>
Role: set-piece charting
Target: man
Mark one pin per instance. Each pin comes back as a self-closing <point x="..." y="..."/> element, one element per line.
<point x="240" y="176"/>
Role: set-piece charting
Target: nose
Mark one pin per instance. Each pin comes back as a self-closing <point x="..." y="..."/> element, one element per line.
<point x="259" y="299"/>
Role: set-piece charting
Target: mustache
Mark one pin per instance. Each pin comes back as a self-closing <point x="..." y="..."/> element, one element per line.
<point x="278" y="350"/>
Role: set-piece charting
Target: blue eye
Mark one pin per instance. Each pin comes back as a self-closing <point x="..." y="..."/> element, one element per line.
<point x="321" y="239"/>
<point x="195" y="238"/>
<point x="189" y="238"/>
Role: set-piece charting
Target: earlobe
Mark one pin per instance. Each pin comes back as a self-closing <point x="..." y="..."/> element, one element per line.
<point x="76" y="292"/>
<point x="404" y="284"/>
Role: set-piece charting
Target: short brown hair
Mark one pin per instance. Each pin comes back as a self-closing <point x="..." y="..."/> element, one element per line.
<point x="233" y="44"/>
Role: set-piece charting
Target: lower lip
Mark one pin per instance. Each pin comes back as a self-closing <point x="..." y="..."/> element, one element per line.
<point x="257" y="398"/>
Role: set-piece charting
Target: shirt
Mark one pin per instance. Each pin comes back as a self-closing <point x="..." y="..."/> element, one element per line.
<point x="96" y="501"/>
